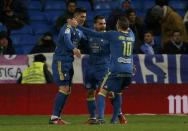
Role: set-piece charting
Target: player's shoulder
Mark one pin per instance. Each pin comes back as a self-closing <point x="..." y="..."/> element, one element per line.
<point x="66" y="29"/>
<point x="111" y="31"/>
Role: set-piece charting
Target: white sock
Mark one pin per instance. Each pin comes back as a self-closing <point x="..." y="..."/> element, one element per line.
<point x="54" y="117"/>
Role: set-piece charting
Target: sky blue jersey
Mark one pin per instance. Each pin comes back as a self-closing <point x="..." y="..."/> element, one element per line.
<point x="121" y="48"/>
<point x="68" y="39"/>
<point x="99" y="51"/>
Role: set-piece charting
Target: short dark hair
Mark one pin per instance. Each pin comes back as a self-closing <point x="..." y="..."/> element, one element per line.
<point x="39" y="58"/>
<point x="130" y="10"/>
<point x="123" y="23"/>
<point x="149" y="31"/>
<point x="79" y="11"/>
<point x="70" y="1"/>
<point x="98" y="17"/>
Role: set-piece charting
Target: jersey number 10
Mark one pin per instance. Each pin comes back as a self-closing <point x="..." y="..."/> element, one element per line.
<point x="127" y="48"/>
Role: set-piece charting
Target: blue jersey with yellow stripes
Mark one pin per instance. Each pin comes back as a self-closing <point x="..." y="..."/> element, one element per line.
<point x="99" y="51"/>
<point x="121" y="47"/>
<point x="68" y="39"/>
<point x="98" y="62"/>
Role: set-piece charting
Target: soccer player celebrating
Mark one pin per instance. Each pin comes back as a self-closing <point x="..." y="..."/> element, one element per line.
<point x="99" y="58"/>
<point x="121" y="64"/>
<point x="62" y="65"/>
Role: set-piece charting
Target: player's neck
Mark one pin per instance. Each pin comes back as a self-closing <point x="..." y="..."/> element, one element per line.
<point x="123" y="31"/>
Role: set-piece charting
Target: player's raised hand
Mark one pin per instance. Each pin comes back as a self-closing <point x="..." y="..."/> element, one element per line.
<point x="72" y="22"/>
<point x="77" y="52"/>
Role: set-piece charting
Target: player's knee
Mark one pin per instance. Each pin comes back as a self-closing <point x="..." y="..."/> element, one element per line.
<point x="103" y="92"/>
<point x="111" y="95"/>
<point x="65" y="90"/>
<point x="90" y="95"/>
<point x="119" y="93"/>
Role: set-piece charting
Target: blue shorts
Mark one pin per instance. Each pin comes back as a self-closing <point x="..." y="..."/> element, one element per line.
<point x="62" y="73"/>
<point x="116" y="83"/>
<point x="93" y="76"/>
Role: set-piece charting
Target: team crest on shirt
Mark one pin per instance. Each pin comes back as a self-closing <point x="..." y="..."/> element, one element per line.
<point x="67" y="31"/>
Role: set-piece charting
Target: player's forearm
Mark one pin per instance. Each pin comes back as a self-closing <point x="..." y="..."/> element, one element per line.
<point x="90" y="32"/>
<point x="69" y="43"/>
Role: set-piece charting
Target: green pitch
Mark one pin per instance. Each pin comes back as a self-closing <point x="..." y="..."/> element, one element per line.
<point x="135" y="123"/>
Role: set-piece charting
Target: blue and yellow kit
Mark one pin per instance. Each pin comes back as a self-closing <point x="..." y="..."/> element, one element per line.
<point x="121" y="61"/>
<point x="98" y="63"/>
<point x="62" y="65"/>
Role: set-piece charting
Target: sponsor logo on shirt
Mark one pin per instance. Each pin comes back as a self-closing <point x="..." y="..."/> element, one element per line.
<point x="124" y="60"/>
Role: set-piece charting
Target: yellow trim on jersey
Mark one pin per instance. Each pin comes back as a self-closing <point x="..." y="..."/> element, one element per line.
<point x="125" y="32"/>
<point x="102" y="94"/>
<point x="61" y="75"/>
<point x="68" y="26"/>
<point x="61" y="91"/>
<point x="120" y="93"/>
<point x="105" y="79"/>
<point x="91" y="99"/>
<point x="111" y="95"/>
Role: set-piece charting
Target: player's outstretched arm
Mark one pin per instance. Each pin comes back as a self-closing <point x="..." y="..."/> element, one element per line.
<point x="89" y="32"/>
<point x="67" y="39"/>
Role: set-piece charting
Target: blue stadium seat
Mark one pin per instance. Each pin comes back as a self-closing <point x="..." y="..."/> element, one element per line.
<point x="102" y="6"/>
<point x="25" y="30"/>
<point x="178" y="5"/>
<point x="23" y="43"/>
<point x="34" y="5"/>
<point x="40" y="28"/>
<point x="18" y="39"/>
<point x="181" y="12"/>
<point x="37" y="16"/>
<point x="23" y="49"/>
<point x="55" y="5"/>
<point x="90" y="15"/>
<point x="137" y="4"/>
<point x="90" y="24"/>
<point x="148" y="4"/>
<point x="53" y="15"/>
<point x="84" y="4"/>
<point x="113" y="4"/>
<point x="140" y="13"/>
<point x="104" y="0"/>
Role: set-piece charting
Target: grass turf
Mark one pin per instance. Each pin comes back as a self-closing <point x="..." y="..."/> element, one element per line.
<point x="135" y="123"/>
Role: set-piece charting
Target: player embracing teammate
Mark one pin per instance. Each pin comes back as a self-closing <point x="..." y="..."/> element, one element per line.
<point x="117" y="77"/>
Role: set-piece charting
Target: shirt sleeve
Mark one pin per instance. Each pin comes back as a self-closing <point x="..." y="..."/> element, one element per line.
<point x="89" y="32"/>
<point x="67" y="38"/>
